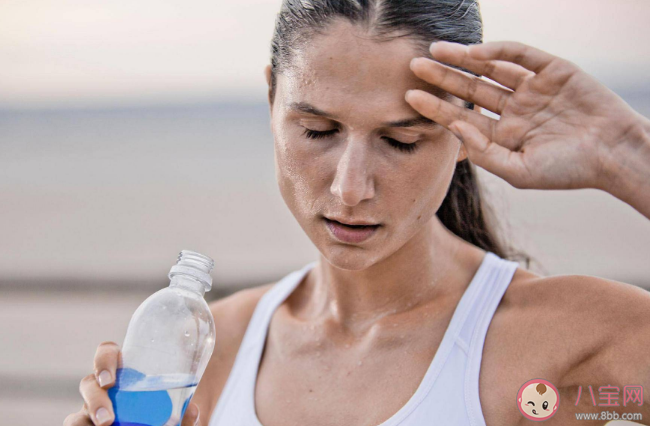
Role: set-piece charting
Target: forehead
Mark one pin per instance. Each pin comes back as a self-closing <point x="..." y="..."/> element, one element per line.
<point x="345" y="67"/>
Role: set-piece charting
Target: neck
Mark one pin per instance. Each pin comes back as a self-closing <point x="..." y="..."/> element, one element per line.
<point x="419" y="272"/>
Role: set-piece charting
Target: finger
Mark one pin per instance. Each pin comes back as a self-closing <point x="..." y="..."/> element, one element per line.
<point x="460" y="84"/>
<point x="511" y="51"/>
<point x="106" y="361"/>
<point x="489" y="155"/>
<point x="191" y="417"/>
<point x="445" y="113"/>
<point x="505" y="73"/>
<point x="77" y="419"/>
<point x="98" y="405"/>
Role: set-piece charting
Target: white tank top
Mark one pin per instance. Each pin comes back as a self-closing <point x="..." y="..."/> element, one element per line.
<point x="447" y="395"/>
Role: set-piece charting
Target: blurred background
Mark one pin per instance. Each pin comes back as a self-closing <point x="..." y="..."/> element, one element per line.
<point x="132" y="130"/>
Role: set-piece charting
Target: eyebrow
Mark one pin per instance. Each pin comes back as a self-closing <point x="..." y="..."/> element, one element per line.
<point x="420" y="121"/>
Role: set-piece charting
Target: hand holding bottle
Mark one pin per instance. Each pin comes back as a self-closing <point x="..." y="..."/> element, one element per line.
<point x="97" y="409"/>
<point x="152" y="378"/>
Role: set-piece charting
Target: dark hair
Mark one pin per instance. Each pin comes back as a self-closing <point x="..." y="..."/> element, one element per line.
<point x="422" y="22"/>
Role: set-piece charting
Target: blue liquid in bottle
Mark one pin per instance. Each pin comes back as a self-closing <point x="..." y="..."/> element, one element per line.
<point x="141" y="400"/>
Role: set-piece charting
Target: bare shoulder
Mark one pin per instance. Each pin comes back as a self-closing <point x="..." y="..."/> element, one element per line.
<point x="231" y="317"/>
<point x="573" y="330"/>
<point x="232" y="314"/>
<point x="609" y="319"/>
<point x="579" y="301"/>
<point x="583" y="325"/>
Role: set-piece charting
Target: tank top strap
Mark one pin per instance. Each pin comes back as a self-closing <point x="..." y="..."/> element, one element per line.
<point x="269" y="302"/>
<point x="244" y="370"/>
<point x="486" y="298"/>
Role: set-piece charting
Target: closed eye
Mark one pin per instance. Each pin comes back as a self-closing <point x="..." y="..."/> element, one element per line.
<point x="404" y="147"/>
<point x="531" y="402"/>
<point x="313" y="134"/>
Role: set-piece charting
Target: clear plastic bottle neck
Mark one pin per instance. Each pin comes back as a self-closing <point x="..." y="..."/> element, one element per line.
<point x="188" y="283"/>
<point x="192" y="271"/>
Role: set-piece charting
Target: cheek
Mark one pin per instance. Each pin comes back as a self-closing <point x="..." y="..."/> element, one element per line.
<point x="423" y="186"/>
<point x="297" y="175"/>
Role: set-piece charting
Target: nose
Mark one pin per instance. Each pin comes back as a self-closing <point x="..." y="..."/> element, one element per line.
<point x="352" y="182"/>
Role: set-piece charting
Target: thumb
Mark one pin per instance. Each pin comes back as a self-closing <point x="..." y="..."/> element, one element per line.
<point x="488" y="154"/>
<point x="191" y="417"/>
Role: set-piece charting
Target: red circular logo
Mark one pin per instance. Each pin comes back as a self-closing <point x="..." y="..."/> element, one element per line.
<point x="538" y="400"/>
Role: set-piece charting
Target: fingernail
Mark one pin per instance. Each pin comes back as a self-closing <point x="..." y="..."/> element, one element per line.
<point x="102" y="415"/>
<point x="410" y="93"/>
<point x="104" y="378"/>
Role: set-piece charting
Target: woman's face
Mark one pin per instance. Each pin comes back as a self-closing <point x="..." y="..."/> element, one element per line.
<point x="352" y="88"/>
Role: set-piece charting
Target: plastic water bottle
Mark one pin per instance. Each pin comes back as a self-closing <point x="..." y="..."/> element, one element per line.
<point x="167" y="347"/>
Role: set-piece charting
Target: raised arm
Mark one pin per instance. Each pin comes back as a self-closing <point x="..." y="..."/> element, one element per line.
<point x="559" y="128"/>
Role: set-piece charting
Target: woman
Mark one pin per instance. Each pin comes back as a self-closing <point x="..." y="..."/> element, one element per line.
<point x="414" y="316"/>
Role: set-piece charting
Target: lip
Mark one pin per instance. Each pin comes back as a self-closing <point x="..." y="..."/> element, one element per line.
<point x="350" y="222"/>
<point x="349" y="235"/>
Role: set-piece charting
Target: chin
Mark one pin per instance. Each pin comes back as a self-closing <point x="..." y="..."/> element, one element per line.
<point x="348" y="257"/>
<point x="349" y="263"/>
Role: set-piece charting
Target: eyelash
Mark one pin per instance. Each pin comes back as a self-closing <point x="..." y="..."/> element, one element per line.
<point x="404" y="147"/>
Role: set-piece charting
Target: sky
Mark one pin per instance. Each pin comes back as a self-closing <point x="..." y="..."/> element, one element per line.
<point x="119" y="52"/>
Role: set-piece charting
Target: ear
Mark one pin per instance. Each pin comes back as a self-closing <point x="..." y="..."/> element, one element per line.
<point x="462" y="153"/>
<point x="267" y="74"/>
